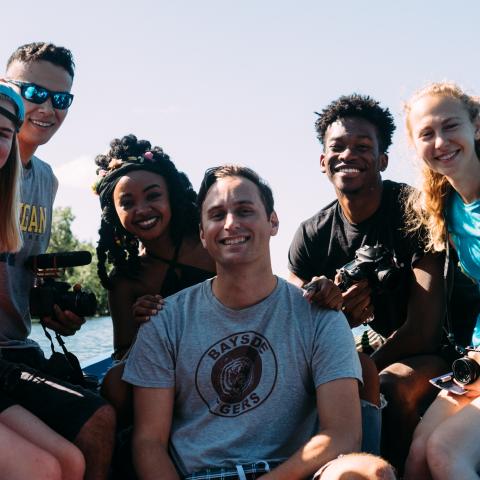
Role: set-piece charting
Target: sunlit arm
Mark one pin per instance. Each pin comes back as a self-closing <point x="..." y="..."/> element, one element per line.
<point x="338" y="407"/>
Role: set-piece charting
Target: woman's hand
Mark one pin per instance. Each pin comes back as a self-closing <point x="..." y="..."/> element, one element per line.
<point x="145" y="307"/>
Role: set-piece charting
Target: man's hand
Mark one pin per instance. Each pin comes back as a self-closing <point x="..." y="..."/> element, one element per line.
<point x="357" y="305"/>
<point x="324" y="293"/>
<point x="145" y="307"/>
<point x="65" y="322"/>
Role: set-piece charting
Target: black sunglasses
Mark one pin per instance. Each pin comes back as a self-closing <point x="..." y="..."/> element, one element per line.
<point x="36" y="94"/>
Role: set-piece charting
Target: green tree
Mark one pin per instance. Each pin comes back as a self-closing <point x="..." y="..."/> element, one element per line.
<point x="63" y="240"/>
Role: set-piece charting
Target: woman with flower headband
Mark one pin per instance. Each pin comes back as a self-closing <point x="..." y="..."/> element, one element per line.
<point x="443" y="124"/>
<point x="39" y="451"/>
<point x="145" y="202"/>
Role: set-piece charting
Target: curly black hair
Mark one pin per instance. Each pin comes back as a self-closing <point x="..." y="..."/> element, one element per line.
<point x="116" y="245"/>
<point x="361" y="106"/>
<point x="33" y="52"/>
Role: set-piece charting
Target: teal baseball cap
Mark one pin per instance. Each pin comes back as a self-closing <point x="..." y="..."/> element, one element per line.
<point x="9" y="93"/>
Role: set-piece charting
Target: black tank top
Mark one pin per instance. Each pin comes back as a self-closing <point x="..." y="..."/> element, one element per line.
<point x="179" y="275"/>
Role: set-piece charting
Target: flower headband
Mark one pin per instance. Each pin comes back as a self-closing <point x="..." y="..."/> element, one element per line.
<point x="115" y="164"/>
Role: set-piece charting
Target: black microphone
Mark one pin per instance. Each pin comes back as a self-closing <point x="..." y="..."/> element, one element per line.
<point x="59" y="260"/>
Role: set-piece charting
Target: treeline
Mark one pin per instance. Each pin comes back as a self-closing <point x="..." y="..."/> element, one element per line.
<point x="63" y="240"/>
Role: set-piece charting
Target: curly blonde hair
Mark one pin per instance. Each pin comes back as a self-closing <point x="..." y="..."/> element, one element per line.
<point x="425" y="207"/>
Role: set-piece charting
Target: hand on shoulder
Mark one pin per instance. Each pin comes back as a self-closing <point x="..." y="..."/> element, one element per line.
<point x="146" y="306"/>
<point x="324" y="293"/>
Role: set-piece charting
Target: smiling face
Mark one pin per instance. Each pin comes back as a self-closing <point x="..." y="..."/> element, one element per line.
<point x="351" y="157"/>
<point x="7" y="132"/>
<point x="235" y="228"/>
<point x="443" y="134"/>
<point x="142" y="204"/>
<point x="41" y="121"/>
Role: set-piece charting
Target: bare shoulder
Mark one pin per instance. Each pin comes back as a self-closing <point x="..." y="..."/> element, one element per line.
<point x="194" y="254"/>
<point x="125" y="285"/>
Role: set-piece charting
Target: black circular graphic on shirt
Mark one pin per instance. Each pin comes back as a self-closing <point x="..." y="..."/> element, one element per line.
<point x="236" y="374"/>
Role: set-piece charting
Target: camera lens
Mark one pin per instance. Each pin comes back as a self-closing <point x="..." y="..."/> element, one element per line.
<point x="465" y="370"/>
<point x="389" y="278"/>
<point x="87" y="303"/>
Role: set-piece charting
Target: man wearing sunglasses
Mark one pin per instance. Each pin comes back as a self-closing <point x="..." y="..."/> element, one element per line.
<point x="43" y="75"/>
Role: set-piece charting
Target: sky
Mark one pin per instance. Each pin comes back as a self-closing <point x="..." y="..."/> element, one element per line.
<point x="216" y="82"/>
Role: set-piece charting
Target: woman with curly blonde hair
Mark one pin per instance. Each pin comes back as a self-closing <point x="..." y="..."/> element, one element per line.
<point x="443" y="125"/>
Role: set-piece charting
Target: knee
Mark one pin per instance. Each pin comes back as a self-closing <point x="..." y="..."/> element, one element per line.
<point x="359" y="467"/>
<point x="47" y="467"/>
<point x="72" y="462"/>
<point x="440" y="453"/>
<point x="417" y="454"/>
<point x="118" y="393"/>
<point x="112" y="385"/>
<point x="398" y="389"/>
<point x="104" y="419"/>
<point x="380" y="469"/>
<point x="99" y="428"/>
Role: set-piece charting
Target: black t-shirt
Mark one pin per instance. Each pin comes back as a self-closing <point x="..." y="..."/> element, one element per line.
<point x="327" y="241"/>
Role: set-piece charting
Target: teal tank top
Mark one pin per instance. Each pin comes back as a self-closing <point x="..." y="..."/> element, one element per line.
<point x="463" y="222"/>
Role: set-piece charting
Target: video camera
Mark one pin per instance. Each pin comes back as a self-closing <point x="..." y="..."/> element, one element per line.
<point x="376" y="264"/>
<point x="48" y="292"/>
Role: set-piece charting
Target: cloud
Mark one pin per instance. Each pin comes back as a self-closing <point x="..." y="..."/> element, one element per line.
<point x="78" y="173"/>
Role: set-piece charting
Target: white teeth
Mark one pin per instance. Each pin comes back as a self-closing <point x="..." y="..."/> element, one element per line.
<point x="147" y="223"/>
<point x="347" y="170"/>
<point x="234" y="241"/>
<point x="41" y="124"/>
<point x="447" y="156"/>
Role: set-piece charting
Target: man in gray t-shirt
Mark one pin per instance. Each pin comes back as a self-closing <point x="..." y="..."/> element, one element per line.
<point x="241" y="369"/>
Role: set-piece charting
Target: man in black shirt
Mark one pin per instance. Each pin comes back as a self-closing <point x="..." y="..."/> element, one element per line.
<point x="356" y="133"/>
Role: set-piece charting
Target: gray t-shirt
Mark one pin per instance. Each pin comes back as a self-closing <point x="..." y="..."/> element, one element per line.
<point x="37" y="193"/>
<point x="244" y="379"/>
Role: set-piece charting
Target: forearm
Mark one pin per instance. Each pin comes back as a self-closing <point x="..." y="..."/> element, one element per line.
<point x="122" y="296"/>
<point x="315" y="453"/>
<point x="421" y="332"/>
<point x="405" y="343"/>
<point x="122" y="337"/>
<point x="152" y="461"/>
<point x="123" y="325"/>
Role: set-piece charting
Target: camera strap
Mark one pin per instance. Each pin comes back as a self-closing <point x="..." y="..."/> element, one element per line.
<point x="72" y="362"/>
<point x="448" y="289"/>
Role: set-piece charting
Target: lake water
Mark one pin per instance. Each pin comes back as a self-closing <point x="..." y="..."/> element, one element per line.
<point x="94" y="339"/>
